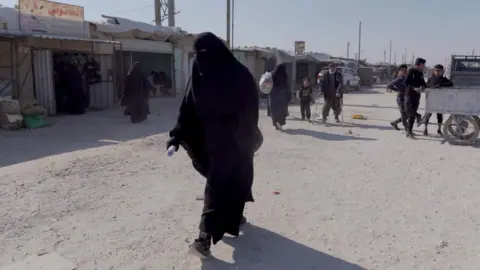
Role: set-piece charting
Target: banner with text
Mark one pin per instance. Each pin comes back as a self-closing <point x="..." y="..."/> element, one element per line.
<point x="51" y="18"/>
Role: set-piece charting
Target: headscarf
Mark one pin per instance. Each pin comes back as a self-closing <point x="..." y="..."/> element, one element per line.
<point x="134" y="82"/>
<point x="219" y="80"/>
<point x="212" y="55"/>
<point x="280" y="76"/>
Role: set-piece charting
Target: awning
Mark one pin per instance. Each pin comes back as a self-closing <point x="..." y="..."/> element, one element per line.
<point x="22" y="34"/>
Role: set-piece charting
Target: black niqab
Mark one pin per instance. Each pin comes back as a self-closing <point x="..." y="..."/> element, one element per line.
<point x="217" y="126"/>
<point x="280" y="76"/>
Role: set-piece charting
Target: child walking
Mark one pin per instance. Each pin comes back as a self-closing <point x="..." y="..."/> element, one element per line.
<point x="305" y="94"/>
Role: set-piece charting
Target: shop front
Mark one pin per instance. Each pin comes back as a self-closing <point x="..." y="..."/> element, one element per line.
<point x="157" y="61"/>
<point x="71" y="76"/>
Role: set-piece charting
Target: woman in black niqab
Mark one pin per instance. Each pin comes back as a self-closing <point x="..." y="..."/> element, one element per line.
<point x="279" y="97"/>
<point x="218" y="127"/>
<point x="135" y="97"/>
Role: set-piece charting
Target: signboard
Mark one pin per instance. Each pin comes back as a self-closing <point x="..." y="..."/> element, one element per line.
<point x="457" y="100"/>
<point x="299" y="47"/>
<point x="51" y="18"/>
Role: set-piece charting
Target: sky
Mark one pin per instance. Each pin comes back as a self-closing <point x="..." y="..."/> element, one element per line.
<point x="431" y="29"/>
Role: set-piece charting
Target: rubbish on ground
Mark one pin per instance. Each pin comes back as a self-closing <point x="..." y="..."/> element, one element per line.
<point x="359" y="117"/>
<point x="35" y="121"/>
<point x="275" y="192"/>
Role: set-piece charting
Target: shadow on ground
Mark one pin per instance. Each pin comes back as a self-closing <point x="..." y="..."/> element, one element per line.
<point x="323" y="135"/>
<point x="93" y="129"/>
<point x="371" y="106"/>
<point x="261" y="249"/>
<point x="357" y="125"/>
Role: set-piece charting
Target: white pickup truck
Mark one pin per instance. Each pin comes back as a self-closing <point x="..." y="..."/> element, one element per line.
<point x="351" y="80"/>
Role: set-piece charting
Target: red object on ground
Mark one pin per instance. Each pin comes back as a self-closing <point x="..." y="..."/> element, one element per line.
<point x="275" y="192"/>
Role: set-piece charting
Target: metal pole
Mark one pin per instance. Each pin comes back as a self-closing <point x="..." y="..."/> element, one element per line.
<point x="473" y="52"/>
<point x="158" y="12"/>
<point x="384" y="56"/>
<point x="390" y="61"/>
<point x="348" y="49"/>
<point x="228" y="23"/>
<point x="171" y="13"/>
<point x="233" y="22"/>
<point x="359" y="42"/>
<point x="405" y="56"/>
<point x="395" y="58"/>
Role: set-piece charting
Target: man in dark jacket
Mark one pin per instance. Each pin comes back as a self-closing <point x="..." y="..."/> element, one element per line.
<point x="436" y="81"/>
<point x="332" y="89"/>
<point x="398" y="86"/>
<point x="414" y="85"/>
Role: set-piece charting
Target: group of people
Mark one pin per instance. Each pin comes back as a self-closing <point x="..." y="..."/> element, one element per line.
<point x="409" y="85"/>
<point x="331" y="87"/>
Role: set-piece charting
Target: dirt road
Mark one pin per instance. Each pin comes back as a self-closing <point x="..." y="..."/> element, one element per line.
<point x="102" y="193"/>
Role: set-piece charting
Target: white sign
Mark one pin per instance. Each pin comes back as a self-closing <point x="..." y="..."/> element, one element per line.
<point x="462" y="101"/>
<point x="299" y="47"/>
<point x="51" y="18"/>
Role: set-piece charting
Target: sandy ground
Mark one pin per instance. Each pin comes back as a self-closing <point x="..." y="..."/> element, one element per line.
<point x="102" y="193"/>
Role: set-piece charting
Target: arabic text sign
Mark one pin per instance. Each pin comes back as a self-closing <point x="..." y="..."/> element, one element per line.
<point x="51" y="17"/>
<point x="51" y="9"/>
<point x="299" y="47"/>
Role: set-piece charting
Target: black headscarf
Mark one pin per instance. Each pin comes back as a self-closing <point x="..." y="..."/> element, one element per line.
<point x="134" y="83"/>
<point x="219" y="81"/>
<point x="280" y="76"/>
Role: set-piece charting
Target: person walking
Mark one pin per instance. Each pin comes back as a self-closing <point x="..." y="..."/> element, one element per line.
<point x="414" y="85"/>
<point x="436" y="81"/>
<point x="398" y="86"/>
<point x="279" y="97"/>
<point x="218" y="127"/>
<point x="305" y="94"/>
<point x="332" y="89"/>
<point x="136" y="95"/>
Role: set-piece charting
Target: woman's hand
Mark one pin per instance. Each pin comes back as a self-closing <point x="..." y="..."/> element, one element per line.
<point x="173" y="141"/>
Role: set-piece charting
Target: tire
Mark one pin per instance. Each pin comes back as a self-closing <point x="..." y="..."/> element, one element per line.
<point x="453" y="137"/>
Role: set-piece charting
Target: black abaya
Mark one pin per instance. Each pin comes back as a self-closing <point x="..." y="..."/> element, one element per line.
<point x="218" y="127"/>
<point x="280" y="96"/>
<point x="136" y="94"/>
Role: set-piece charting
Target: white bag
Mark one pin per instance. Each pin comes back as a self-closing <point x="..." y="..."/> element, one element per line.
<point x="266" y="83"/>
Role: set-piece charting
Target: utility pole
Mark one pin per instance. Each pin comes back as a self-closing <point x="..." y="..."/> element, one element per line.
<point x="228" y="23"/>
<point x="405" y="56"/>
<point x="233" y="22"/>
<point x="158" y="12"/>
<point x="359" y="42"/>
<point x="403" y="59"/>
<point x="171" y="13"/>
<point x="390" y="58"/>
<point x="395" y="58"/>
<point x="384" y="56"/>
<point x="413" y="58"/>
<point x="348" y="49"/>
<point x="473" y="52"/>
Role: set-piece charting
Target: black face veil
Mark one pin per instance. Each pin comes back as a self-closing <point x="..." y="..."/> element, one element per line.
<point x="213" y="56"/>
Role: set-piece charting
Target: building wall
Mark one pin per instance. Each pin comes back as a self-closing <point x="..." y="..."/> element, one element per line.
<point x="6" y="67"/>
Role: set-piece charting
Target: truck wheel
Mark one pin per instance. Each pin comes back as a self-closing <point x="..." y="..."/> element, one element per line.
<point x="466" y="133"/>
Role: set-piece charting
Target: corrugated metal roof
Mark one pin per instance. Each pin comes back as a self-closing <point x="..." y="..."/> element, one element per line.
<point x="19" y="34"/>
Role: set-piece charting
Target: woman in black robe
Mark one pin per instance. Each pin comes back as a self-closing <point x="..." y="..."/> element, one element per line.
<point x="136" y="94"/>
<point x="218" y="127"/>
<point x="279" y="97"/>
<point x="75" y="92"/>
